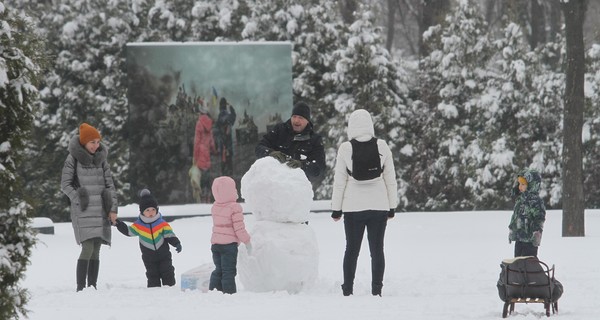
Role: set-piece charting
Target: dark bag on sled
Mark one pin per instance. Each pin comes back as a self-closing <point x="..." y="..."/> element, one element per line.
<point x="527" y="277"/>
<point x="366" y="161"/>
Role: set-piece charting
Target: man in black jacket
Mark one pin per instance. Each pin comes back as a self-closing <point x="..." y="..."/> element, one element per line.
<point x="295" y="143"/>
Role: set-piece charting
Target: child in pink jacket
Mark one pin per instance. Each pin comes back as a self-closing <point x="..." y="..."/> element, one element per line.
<point x="227" y="233"/>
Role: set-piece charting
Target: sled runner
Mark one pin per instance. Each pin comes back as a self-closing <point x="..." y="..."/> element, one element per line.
<point x="528" y="280"/>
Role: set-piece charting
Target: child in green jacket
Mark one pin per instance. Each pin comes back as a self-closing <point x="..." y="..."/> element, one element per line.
<point x="527" y="222"/>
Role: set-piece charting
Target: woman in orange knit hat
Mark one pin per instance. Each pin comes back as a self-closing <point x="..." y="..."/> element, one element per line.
<point x="87" y="181"/>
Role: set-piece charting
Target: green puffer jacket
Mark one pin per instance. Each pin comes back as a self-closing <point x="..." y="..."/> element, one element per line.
<point x="529" y="213"/>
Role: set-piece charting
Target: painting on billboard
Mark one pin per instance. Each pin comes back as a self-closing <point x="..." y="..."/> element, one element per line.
<point x="197" y="111"/>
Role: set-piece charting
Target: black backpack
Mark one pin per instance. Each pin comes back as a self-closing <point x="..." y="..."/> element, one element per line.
<point x="366" y="161"/>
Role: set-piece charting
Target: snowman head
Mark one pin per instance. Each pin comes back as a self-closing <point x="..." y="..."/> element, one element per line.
<point x="276" y="192"/>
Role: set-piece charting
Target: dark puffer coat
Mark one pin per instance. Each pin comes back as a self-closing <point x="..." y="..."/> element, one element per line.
<point x="306" y="146"/>
<point x="93" y="173"/>
<point x="529" y="212"/>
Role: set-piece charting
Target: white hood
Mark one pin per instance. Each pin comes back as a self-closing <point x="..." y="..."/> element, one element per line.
<point x="360" y="126"/>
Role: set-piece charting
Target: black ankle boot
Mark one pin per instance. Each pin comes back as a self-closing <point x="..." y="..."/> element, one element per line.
<point x="376" y="289"/>
<point x="347" y="290"/>
<point x="92" y="276"/>
<point x="82" y="270"/>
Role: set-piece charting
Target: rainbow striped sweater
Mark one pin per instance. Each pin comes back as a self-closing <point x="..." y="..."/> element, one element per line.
<point x="152" y="232"/>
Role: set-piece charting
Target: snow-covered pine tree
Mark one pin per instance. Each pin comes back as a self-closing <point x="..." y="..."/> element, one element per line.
<point x="501" y="148"/>
<point x="221" y="20"/>
<point x="452" y="79"/>
<point x="519" y="120"/>
<point x="591" y="129"/>
<point x="366" y="77"/>
<point x="85" y="82"/>
<point x="539" y="135"/>
<point x="20" y="49"/>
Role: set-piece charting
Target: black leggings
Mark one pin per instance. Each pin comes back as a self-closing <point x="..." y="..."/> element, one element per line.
<point x="354" y="225"/>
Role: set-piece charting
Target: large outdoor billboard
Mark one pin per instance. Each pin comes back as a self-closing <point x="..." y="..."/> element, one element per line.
<point x="197" y="111"/>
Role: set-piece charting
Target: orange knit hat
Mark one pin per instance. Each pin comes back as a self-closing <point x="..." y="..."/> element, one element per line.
<point x="87" y="133"/>
<point x="522" y="180"/>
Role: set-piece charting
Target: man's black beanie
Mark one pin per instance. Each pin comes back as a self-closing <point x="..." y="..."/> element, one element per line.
<point x="301" y="109"/>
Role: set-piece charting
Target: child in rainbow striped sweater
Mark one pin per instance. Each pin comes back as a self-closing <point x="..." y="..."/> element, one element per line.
<point x="153" y="232"/>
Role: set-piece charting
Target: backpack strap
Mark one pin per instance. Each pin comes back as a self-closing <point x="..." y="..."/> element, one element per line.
<point x="352" y="142"/>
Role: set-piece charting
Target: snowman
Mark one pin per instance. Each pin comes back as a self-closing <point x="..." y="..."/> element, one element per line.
<point x="285" y="253"/>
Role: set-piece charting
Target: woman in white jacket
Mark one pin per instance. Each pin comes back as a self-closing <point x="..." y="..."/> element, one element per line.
<point x="364" y="203"/>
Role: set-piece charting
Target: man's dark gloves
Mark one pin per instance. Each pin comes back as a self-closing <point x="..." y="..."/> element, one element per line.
<point x="294" y="164"/>
<point x="178" y="248"/>
<point x="84" y="198"/>
<point x="280" y="156"/>
<point x="392" y="213"/>
<point x="336" y="214"/>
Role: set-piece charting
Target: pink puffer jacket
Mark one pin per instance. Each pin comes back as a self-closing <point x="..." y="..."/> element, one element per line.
<point x="227" y="214"/>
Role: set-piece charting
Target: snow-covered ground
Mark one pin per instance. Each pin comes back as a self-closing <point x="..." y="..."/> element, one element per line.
<point x="438" y="266"/>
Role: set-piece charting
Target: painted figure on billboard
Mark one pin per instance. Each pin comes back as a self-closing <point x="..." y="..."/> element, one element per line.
<point x="204" y="146"/>
<point x="197" y="110"/>
<point x="224" y="136"/>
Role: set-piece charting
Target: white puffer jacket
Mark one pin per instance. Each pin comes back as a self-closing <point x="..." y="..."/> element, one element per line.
<point x="351" y="195"/>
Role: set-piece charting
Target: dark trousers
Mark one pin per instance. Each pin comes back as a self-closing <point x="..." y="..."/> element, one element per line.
<point x="354" y="225"/>
<point x="225" y="259"/>
<point x="523" y="249"/>
<point x="159" y="268"/>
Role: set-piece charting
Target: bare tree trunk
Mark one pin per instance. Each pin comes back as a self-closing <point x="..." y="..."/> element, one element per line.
<point x="494" y="10"/>
<point x="555" y="21"/>
<point x="573" y="224"/>
<point x="538" y="24"/>
<point x="408" y="14"/>
<point x="391" y="23"/>
<point x="347" y="8"/>
<point x="432" y="13"/>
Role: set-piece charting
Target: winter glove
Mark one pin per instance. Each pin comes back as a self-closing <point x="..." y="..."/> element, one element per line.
<point x="336" y="214"/>
<point x="280" y="156"/>
<point x="122" y="227"/>
<point x="84" y="198"/>
<point x="294" y="164"/>
<point x="391" y="213"/>
<point x="510" y="236"/>
<point x="537" y="238"/>
<point x="249" y="248"/>
<point x="106" y="200"/>
<point x="178" y="248"/>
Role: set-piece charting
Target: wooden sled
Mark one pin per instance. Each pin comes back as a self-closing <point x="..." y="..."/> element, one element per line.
<point x="509" y="306"/>
<point x="528" y="280"/>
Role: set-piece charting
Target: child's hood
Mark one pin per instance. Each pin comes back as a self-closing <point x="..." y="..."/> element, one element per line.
<point x="223" y="189"/>
<point x="534" y="179"/>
